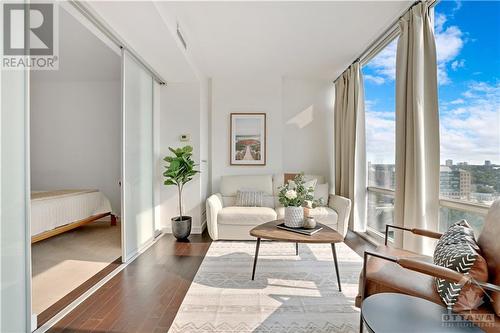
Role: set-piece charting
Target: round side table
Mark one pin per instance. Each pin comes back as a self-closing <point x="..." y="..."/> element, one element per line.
<point x="396" y="313"/>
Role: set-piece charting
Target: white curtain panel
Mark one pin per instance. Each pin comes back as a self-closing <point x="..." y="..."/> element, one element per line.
<point x="417" y="129"/>
<point x="349" y="128"/>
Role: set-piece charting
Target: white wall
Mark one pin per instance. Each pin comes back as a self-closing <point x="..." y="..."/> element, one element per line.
<point x="307" y="105"/>
<point x="245" y="95"/>
<point x="180" y="114"/>
<point x="299" y="124"/>
<point x="75" y="136"/>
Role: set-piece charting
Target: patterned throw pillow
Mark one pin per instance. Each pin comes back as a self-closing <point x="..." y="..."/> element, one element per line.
<point x="457" y="250"/>
<point x="249" y="198"/>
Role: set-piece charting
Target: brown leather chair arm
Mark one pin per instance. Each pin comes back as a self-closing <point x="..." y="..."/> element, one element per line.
<point x="416" y="231"/>
<point x="433" y="270"/>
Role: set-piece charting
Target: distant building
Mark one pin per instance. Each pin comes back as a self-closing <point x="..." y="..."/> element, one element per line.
<point x="449" y="163"/>
<point x="465" y="184"/>
<point x="463" y="163"/>
<point x="382" y="175"/>
<point x="454" y="184"/>
<point x="487" y="163"/>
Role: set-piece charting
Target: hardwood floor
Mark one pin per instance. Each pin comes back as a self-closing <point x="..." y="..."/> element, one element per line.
<point x="73" y="295"/>
<point x="145" y="296"/>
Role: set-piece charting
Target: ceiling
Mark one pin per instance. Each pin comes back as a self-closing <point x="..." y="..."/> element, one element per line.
<point x="292" y="39"/>
<point x="242" y="39"/>
<point x="82" y="55"/>
<point x="141" y="26"/>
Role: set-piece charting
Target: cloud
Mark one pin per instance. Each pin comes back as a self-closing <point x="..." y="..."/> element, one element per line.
<point x="471" y="131"/>
<point x="458" y="5"/>
<point x="384" y="63"/>
<point x="380" y="134"/>
<point x="469" y="128"/>
<point x="457" y="64"/>
<point x="449" y="42"/>
<point x="457" y="101"/>
<point x="374" y="79"/>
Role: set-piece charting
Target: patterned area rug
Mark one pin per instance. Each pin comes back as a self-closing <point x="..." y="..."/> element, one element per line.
<point x="290" y="293"/>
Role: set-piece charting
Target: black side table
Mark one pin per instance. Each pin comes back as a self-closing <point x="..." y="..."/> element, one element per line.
<point x="397" y="313"/>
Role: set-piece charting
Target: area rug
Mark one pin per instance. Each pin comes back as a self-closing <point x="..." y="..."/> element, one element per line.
<point x="289" y="294"/>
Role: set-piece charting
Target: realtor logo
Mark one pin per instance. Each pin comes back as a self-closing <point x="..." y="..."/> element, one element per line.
<point x="29" y="36"/>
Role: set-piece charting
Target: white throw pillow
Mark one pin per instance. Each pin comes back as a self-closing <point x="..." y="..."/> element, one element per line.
<point x="311" y="183"/>
<point x="249" y="198"/>
<point x="322" y="191"/>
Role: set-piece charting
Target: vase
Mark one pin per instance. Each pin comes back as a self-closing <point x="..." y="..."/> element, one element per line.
<point x="309" y="223"/>
<point x="294" y="216"/>
<point x="181" y="229"/>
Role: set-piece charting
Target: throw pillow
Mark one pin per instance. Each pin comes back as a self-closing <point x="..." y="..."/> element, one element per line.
<point x="311" y="183"/>
<point x="322" y="192"/>
<point x="249" y="198"/>
<point x="458" y="250"/>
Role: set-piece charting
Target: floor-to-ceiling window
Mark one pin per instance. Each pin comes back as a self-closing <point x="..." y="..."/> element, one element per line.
<point x="379" y="83"/>
<point x="468" y="54"/>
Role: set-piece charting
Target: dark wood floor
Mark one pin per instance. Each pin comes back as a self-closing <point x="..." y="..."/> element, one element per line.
<point x="146" y="295"/>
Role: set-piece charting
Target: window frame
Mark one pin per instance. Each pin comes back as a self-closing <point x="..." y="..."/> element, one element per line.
<point x="461" y="205"/>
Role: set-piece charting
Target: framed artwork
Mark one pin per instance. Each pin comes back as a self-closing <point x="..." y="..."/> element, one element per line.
<point x="248" y="139"/>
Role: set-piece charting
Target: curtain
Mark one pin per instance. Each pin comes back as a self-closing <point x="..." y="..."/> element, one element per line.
<point x="349" y="129"/>
<point x="417" y="130"/>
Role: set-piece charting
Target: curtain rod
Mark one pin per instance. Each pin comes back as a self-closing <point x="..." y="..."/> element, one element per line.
<point x="391" y="29"/>
<point x="87" y="12"/>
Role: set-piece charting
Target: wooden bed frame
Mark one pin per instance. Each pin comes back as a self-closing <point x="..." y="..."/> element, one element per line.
<point x="71" y="226"/>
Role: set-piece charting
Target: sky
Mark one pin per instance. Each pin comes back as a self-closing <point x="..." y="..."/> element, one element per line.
<point x="467" y="37"/>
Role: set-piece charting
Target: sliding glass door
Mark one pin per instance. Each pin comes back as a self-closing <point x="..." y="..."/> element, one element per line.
<point x="137" y="166"/>
<point x="15" y="308"/>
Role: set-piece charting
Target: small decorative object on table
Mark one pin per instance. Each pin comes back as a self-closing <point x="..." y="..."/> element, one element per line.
<point x="309" y="223"/>
<point x="180" y="170"/>
<point x="293" y="196"/>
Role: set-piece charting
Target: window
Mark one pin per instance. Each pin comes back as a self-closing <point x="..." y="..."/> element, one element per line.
<point x="379" y="75"/>
<point x="469" y="109"/>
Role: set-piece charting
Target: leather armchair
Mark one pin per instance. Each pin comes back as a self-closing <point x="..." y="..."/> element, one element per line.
<point x="389" y="269"/>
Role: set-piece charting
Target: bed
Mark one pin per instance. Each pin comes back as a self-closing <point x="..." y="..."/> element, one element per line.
<point x="55" y="212"/>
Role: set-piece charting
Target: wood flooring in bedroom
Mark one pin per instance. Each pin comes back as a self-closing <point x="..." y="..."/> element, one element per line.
<point x="67" y="265"/>
<point x="146" y="295"/>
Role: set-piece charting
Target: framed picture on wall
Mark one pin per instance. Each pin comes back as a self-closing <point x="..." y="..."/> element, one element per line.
<point x="248" y="139"/>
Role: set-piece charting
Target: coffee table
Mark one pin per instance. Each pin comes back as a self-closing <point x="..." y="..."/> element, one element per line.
<point x="271" y="232"/>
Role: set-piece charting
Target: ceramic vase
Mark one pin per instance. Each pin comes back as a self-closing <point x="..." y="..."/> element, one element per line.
<point x="294" y="216"/>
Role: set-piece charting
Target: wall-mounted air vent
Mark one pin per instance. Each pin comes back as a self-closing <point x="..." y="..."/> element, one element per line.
<point x="181" y="38"/>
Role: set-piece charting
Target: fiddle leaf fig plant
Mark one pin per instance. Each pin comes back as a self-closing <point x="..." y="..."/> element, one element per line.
<point x="180" y="170"/>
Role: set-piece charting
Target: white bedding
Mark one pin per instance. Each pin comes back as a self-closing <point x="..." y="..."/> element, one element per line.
<point x="52" y="209"/>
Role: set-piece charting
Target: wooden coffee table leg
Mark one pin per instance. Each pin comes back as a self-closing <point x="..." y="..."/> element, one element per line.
<point x="255" y="259"/>
<point x="336" y="265"/>
<point x="296" y="249"/>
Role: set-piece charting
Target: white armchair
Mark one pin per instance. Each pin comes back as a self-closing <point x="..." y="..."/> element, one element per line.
<point x="343" y="208"/>
<point x="214" y="206"/>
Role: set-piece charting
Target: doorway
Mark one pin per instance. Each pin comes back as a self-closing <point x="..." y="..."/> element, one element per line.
<point x="75" y="163"/>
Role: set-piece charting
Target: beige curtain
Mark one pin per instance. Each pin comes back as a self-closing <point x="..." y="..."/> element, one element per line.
<point x="417" y="129"/>
<point x="350" y="165"/>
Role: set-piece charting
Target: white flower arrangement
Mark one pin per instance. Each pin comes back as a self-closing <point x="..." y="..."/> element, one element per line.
<point x="291" y="194"/>
<point x="294" y="193"/>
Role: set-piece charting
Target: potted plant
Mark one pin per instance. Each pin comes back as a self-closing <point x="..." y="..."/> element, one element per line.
<point x="294" y="195"/>
<point x="180" y="170"/>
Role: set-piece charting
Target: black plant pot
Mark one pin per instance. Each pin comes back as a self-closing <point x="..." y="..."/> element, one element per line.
<point x="181" y="228"/>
